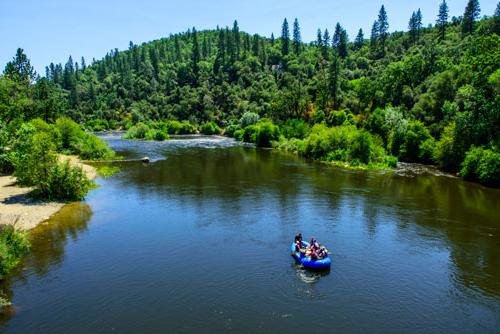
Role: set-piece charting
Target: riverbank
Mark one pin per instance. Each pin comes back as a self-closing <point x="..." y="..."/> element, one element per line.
<point x="19" y="209"/>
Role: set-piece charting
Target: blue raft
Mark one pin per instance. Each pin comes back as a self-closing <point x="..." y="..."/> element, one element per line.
<point x="308" y="262"/>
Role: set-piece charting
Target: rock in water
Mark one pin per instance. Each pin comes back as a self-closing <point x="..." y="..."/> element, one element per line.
<point x="146" y="160"/>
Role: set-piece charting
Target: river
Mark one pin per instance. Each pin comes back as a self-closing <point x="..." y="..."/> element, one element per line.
<point x="198" y="242"/>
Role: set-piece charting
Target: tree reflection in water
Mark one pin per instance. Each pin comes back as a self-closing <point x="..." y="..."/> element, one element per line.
<point x="48" y="241"/>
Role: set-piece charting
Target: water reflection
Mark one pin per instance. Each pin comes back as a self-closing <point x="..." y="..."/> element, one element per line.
<point x="48" y="243"/>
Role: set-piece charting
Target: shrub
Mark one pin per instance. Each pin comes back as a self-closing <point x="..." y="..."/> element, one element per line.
<point x="33" y="157"/>
<point x="64" y="182"/>
<point x="361" y="147"/>
<point x="249" y="118"/>
<point x="337" y="117"/>
<point x="391" y="161"/>
<point x="210" y="128"/>
<point x="248" y="135"/>
<point x="231" y="129"/>
<point x="93" y="148"/>
<point x="294" y="128"/>
<point x="137" y="131"/>
<point x="414" y="137"/>
<point x="13" y="245"/>
<point x="482" y="165"/>
<point x="293" y="145"/>
<point x="71" y="134"/>
<point x="266" y="132"/>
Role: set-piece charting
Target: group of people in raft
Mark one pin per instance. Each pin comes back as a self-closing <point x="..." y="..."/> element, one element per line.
<point x="314" y="250"/>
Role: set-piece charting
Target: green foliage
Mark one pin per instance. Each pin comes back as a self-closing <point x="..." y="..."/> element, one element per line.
<point x="91" y="147"/>
<point x="64" y="183"/>
<point x="266" y="133"/>
<point x="249" y="118"/>
<point x="210" y="128"/>
<point x="14" y="245"/>
<point x="482" y="165"/>
<point x="415" y="136"/>
<point x="108" y="171"/>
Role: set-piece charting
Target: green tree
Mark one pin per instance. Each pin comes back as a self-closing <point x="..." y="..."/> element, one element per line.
<point x="442" y="20"/>
<point x="374" y="35"/>
<point x="471" y="14"/>
<point x="195" y="57"/>
<point x="360" y="39"/>
<point x="20" y="69"/>
<point x="334" y="79"/>
<point x="297" y="39"/>
<point x="285" y="38"/>
<point x="383" y="28"/>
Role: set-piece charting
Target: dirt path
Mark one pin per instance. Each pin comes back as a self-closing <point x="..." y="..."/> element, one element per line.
<point x="17" y="208"/>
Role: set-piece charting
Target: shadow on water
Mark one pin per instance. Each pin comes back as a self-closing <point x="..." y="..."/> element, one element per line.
<point x="48" y="243"/>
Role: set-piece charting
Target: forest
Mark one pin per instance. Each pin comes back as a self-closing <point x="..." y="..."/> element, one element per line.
<point x="428" y="95"/>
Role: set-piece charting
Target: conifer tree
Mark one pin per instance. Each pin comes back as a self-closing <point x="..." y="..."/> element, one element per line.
<point x="236" y="39"/>
<point x="84" y="65"/>
<point x="442" y="19"/>
<point x="20" y="69"/>
<point x="496" y="20"/>
<point x="412" y="27"/>
<point x="297" y="39"/>
<point x="334" y="79"/>
<point x="418" y="22"/>
<point x="383" y="28"/>
<point x="319" y="39"/>
<point x="336" y="35"/>
<point x="326" y="43"/>
<point x="272" y="39"/>
<point x="221" y="52"/>
<point x="195" y="56"/>
<point x="285" y="38"/>
<point x="178" y="55"/>
<point x="256" y="45"/>
<point x="374" y="35"/>
<point x="360" y="40"/>
<point x="342" y="49"/>
<point x="471" y="14"/>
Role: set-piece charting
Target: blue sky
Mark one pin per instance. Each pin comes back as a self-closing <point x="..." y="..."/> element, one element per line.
<point x="51" y="30"/>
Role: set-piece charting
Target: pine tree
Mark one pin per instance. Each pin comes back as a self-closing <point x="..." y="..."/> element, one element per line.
<point x="256" y="45"/>
<point x="221" y="52"/>
<point x="326" y="43"/>
<point x="204" y="47"/>
<point x="374" y="35"/>
<point x="342" y="48"/>
<point x="383" y="28"/>
<point x="319" y="39"/>
<point x="336" y="36"/>
<point x="272" y="39"/>
<point x="237" y="40"/>
<point x="285" y="39"/>
<point x="360" y="40"/>
<point x="246" y="44"/>
<point x="297" y="39"/>
<point x="418" y="22"/>
<point x="20" y="69"/>
<point x="84" y="65"/>
<point x="412" y="27"/>
<point x="195" y="56"/>
<point x="496" y="20"/>
<point x="68" y="75"/>
<point x="334" y="79"/>
<point x="442" y="19"/>
<point x="471" y="14"/>
<point x="178" y="55"/>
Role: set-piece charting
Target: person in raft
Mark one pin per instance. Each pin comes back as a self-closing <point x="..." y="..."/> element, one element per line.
<point x="299" y="247"/>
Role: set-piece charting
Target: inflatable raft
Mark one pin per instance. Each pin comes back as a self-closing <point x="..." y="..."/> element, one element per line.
<point x="308" y="262"/>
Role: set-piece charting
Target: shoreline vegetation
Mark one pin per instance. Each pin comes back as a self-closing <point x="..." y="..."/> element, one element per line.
<point x="41" y="171"/>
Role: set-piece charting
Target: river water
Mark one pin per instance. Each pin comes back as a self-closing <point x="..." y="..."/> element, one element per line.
<point x="198" y="242"/>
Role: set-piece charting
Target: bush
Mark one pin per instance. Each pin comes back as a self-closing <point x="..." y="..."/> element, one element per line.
<point x="231" y="129"/>
<point x="33" y="157"/>
<point x="137" y="131"/>
<point x="249" y="118"/>
<point x="337" y="117"/>
<point x="210" y="128"/>
<point x="71" y="134"/>
<point x="13" y="245"/>
<point x="414" y="137"/>
<point x="294" y="128"/>
<point x="266" y="133"/>
<point x="93" y="148"/>
<point x="482" y="165"/>
<point x="64" y="182"/>
<point x="361" y="147"/>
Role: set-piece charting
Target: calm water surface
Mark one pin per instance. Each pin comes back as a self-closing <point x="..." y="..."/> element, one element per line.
<point x="197" y="242"/>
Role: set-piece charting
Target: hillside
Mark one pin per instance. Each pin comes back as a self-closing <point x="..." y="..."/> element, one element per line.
<point x="426" y="95"/>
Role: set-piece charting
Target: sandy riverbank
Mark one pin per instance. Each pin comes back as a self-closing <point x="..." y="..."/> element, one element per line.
<point x="19" y="209"/>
